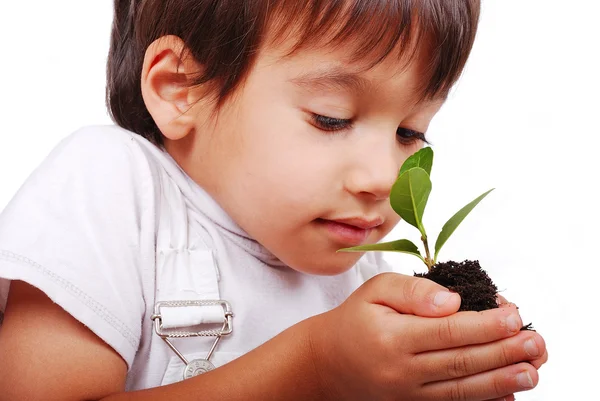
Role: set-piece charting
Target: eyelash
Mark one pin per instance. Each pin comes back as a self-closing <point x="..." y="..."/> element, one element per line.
<point x="331" y="124"/>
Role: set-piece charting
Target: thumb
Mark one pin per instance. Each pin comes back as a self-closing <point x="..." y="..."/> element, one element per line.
<point x="411" y="295"/>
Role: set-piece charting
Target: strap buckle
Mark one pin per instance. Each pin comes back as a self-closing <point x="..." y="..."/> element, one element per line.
<point x="227" y="326"/>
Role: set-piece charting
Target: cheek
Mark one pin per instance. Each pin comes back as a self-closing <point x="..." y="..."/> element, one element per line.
<point x="280" y="145"/>
<point x="284" y="157"/>
<point x="391" y="220"/>
<point x="273" y="188"/>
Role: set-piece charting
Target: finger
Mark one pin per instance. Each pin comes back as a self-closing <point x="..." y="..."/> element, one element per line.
<point x="510" y="397"/>
<point x="411" y="295"/>
<point x="504" y="303"/>
<point x="466" y="361"/>
<point x="537" y="363"/>
<point x="494" y="384"/>
<point x="501" y="300"/>
<point x="463" y="328"/>
<point x="537" y="360"/>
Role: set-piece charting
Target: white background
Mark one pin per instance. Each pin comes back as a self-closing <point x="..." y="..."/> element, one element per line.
<point x="523" y="119"/>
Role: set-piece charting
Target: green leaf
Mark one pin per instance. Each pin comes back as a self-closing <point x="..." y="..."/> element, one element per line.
<point x="423" y="158"/>
<point x="409" y="196"/>
<point x="403" y="245"/>
<point x="454" y="221"/>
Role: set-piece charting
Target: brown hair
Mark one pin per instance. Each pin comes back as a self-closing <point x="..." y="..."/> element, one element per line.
<point x="225" y="36"/>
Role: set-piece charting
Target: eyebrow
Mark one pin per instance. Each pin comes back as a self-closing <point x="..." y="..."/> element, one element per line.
<point x="336" y="79"/>
<point x="332" y="79"/>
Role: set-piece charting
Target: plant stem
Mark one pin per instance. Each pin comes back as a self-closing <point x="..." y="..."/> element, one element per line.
<point x="428" y="260"/>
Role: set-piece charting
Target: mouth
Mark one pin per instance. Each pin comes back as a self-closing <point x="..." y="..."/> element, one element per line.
<point x="352" y="231"/>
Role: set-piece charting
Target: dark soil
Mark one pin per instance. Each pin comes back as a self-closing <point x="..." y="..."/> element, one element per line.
<point x="476" y="289"/>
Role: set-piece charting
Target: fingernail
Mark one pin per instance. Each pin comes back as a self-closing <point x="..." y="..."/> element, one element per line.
<point x="441" y="298"/>
<point x="513" y="323"/>
<point x="524" y="380"/>
<point x="531" y="348"/>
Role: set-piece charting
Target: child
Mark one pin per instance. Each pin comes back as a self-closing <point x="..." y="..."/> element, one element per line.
<point x="190" y="252"/>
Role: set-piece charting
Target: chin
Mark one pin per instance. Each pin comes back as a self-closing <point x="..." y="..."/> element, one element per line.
<point x="328" y="266"/>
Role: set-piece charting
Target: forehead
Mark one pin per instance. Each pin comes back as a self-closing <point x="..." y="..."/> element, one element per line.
<point x="328" y="65"/>
<point x="332" y="69"/>
<point x="438" y="34"/>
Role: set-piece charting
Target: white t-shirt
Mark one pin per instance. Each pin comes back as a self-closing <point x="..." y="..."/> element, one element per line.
<point x="85" y="228"/>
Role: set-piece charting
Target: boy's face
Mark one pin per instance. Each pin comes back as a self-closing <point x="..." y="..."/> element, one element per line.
<point x="305" y="186"/>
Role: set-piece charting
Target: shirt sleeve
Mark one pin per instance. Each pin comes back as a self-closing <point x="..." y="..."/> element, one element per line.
<point x="75" y="230"/>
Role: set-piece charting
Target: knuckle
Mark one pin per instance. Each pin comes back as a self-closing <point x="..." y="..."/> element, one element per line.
<point x="499" y="386"/>
<point x="448" y="330"/>
<point x="381" y="283"/>
<point x="460" y="365"/>
<point x="386" y="342"/>
<point x="497" y="327"/>
<point x="456" y="392"/>
<point x="382" y="340"/>
<point x="387" y="378"/>
<point x="383" y="278"/>
<point x="370" y="284"/>
<point x="410" y="288"/>
<point x="504" y="356"/>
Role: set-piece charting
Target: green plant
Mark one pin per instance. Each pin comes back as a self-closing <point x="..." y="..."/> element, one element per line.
<point x="408" y="198"/>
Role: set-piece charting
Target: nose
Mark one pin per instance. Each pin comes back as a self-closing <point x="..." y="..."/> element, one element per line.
<point x="374" y="172"/>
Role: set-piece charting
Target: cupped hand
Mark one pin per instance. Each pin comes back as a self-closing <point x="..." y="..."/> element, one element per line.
<point x="399" y="338"/>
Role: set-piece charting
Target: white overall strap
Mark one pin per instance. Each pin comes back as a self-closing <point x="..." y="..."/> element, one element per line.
<point x="187" y="279"/>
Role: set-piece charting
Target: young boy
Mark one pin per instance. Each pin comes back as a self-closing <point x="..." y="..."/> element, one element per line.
<point x="197" y="240"/>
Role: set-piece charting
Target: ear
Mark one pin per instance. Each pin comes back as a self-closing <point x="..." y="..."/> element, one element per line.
<point x="165" y="86"/>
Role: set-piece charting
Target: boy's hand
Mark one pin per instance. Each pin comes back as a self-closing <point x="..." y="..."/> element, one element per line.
<point x="400" y="338"/>
<point x="538" y="362"/>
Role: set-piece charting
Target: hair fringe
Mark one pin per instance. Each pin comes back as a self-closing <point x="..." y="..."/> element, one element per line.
<point x="226" y="35"/>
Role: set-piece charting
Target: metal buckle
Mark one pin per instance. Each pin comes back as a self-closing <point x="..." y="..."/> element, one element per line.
<point x="225" y="330"/>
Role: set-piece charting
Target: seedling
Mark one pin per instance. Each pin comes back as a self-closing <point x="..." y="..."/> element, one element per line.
<point x="408" y="198"/>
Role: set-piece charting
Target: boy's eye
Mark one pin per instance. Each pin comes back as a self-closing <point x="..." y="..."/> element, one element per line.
<point x="405" y="136"/>
<point x="408" y="137"/>
<point x="330" y="123"/>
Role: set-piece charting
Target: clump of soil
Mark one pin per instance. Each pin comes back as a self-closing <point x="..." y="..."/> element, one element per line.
<point x="476" y="289"/>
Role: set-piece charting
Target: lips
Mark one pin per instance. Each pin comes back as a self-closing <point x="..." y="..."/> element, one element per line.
<point x="358" y="222"/>
<point x="352" y="231"/>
